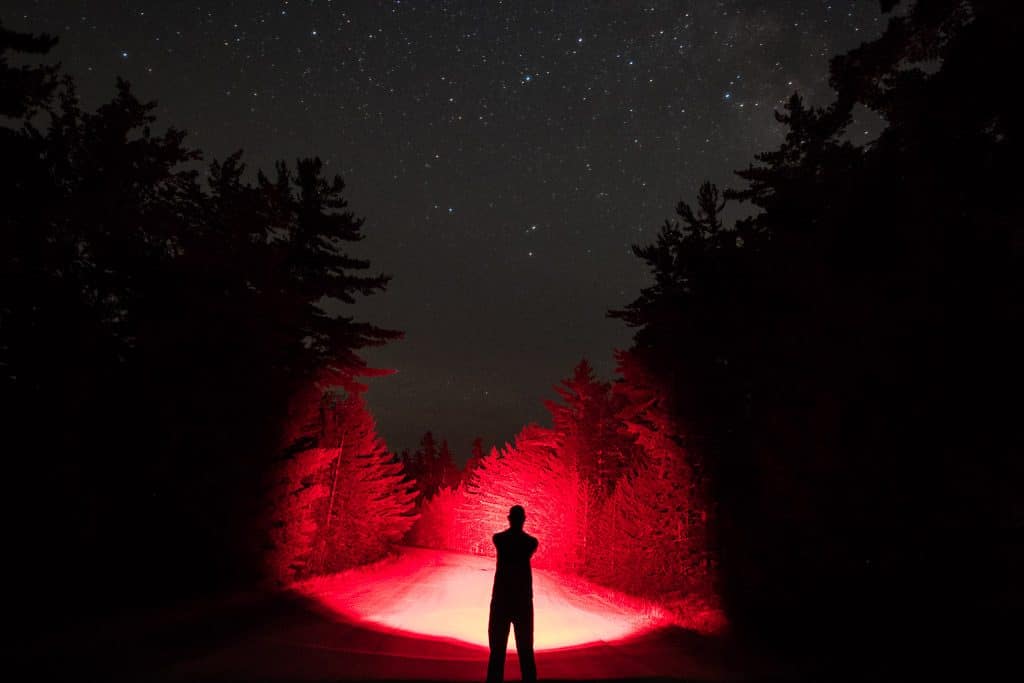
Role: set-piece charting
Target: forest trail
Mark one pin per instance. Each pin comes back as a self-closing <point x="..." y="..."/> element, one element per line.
<point x="446" y="595"/>
<point x="423" y="616"/>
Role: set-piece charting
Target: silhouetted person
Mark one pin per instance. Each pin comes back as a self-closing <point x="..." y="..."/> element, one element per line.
<point x="512" y="599"/>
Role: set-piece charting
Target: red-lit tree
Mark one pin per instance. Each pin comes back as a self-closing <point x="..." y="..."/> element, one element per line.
<point x="295" y="496"/>
<point x="650" y="550"/>
<point x="440" y="523"/>
<point x="588" y="430"/>
<point x="608" y="490"/>
<point x="591" y="437"/>
<point x="296" y="487"/>
<point x="369" y="503"/>
<point x="528" y="473"/>
<point x="655" y="520"/>
<point x="339" y="499"/>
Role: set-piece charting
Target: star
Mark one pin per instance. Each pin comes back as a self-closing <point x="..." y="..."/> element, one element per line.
<point x="495" y="108"/>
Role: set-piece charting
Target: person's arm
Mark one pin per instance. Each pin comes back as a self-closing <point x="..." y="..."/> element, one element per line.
<point x="534" y="545"/>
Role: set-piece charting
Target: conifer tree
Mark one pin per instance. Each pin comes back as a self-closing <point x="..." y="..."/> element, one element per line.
<point x="586" y="424"/>
<point x="591" y="438"/>
<point x="476" y="456"/>
<point x="657" y="515"/>
<point x="449" y="472"/>
<point x="340" y="499"/>
<point x="649" y="535"/>
<point x="25" y="89"/>
<point x="810" y="352"/>
<point x="296" y="496"/>
<point x="427" y="465"/>
<point x="196" y="309"/>
<point x="369" y="503"/>
<point x="441" y="523"/>
<point x="405" y="457"/>
<point x="530" y="473"/>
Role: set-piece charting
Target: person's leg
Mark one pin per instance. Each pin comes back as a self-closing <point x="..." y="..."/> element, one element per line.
<point x="497" y="636"/>
<point x="523" y="624"/>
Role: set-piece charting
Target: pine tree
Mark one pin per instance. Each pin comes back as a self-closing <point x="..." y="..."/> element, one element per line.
<point x="441" y="523"/>
<point x="528" y="473"/>
<point x="449" y="472"/>
<point x="408" y="468"/>
<point x="587" y="427"/>
<point x="369" y="503"/>
<point x="427" y="462"/>
<point x="589" y="436"/>
<point x="476" y="456"/>
<point x="340" y="499"/>
<point x="196" y="311"/>
<point x="809" y="352"/>
<point x="653" y="552"/>
<point x="295" y="498"/>
<point x="25" y="89"/>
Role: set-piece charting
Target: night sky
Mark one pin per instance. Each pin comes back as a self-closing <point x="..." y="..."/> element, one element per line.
<point x="504" y="154"/>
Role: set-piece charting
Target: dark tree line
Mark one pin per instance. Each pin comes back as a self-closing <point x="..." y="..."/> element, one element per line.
<point x="817" y="413"/>
<point x="157" y="317"/>
<point x="843" y="364"/>
<point x="432" y="466"/>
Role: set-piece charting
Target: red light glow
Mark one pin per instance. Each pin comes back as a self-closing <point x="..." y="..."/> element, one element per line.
<point x="443" y="595"/>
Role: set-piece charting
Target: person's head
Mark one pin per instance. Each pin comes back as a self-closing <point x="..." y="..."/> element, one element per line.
<point x="516" y="516"/>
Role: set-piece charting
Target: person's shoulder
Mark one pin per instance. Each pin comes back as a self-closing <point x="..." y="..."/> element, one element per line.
<point x="532" y="540"/>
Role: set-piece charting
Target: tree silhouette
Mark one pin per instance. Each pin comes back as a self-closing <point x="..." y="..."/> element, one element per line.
<point x="449" y="472"/>
<point x="589" y="432"/>
<point x="143" y="309"/>
<point x="424" y="467"/>
<point x="476" y="456"/>
<point x="28" y="88"/>
<point x="829" y="359"/>
<point x="590" y="438"/>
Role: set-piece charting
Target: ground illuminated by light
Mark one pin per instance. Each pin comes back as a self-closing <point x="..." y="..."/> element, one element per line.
<point x="445" y="595"/>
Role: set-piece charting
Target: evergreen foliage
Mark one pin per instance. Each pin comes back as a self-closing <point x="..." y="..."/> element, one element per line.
<point x="836" y="364"/>
<point x="340" y="499"/>
<point x="147" y="307"/>
<point x="608" y="489"/>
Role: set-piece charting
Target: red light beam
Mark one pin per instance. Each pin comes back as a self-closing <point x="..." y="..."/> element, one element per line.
<point x="439" y="594"/>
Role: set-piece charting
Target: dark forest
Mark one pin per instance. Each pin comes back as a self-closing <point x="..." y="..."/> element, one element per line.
<point x="809" y="450"/>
